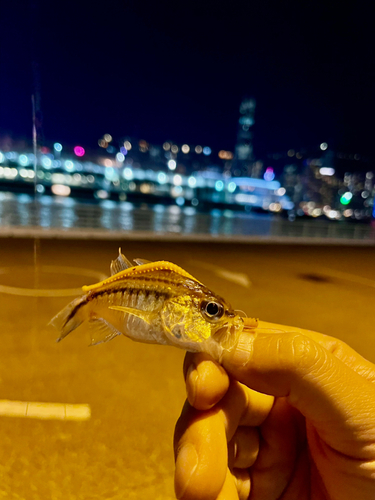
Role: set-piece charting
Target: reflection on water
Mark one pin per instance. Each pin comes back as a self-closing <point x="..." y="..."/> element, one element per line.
<point x="66" y="213"/>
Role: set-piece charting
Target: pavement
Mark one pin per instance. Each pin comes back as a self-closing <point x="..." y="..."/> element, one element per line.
<point x="79" y="422"/>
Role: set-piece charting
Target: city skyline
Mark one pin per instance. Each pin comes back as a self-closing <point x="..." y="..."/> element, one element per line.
<point x="172" y="72"/>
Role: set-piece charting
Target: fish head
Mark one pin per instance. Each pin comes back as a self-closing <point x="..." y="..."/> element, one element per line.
<point x="201" y="322"/>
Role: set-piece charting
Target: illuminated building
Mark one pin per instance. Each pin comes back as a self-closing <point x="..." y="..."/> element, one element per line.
<point x="243" y="156"/>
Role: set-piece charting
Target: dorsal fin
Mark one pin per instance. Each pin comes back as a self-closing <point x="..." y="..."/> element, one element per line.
<point x="120" y="264"/>
<point x="140" y="262"/>
<point x="139" y="270"/>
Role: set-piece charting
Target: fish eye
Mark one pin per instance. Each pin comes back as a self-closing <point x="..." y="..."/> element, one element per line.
<point x="212" y="310"/>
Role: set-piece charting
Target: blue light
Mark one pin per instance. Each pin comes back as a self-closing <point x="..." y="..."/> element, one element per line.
<point x="124" y="151"/>
<point x="207" y="151"/>
<point x="162" y="178"/>
<point x="57" y="147"/>
<point x="269" y="174"/>
<point x="180" y="201"/>
<point x="23" y="160"/>
<point x="69" y="165"/>
<point x="219" y="185"/>
<point x="232" y="187"/>
<point x="46" y="162"/>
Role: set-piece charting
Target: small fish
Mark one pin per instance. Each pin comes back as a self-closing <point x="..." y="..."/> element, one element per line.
<point x="154" y="302"/>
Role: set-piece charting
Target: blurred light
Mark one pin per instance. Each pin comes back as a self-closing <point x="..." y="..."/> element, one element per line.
<point x="166" y="146"/>
<point x="120" y="157"/>
<point x="281" y="191"/>
<point x="1" y="157"/>
<point x="219" y="185"/>
<point x="316" y="212"/>
<point x="110" y="149"/>
<point x="348" y="212"/>
<point x="172" y="165"/>
<point x="332" y="214"/>
<point x="298" y="156"/>
<point x="57" y="147"/>
<point x="180" y="201"/>
<point x="143" y="146"/>
<point x="232" y="187"/>
<point x="145" y="188"/>
<point x="198" y="149"/>
<point x="107" y="162"/>
<point x="69" y="165"/>
<point x="369" y="175"/>
<point x="345" y="198"/>
<point x="23" y="160"/>
<point x="176" y="191"/>
<point x="79" y="151"/>
<point x="174" y="148"/>
<point x="207" y="151"/>
<point x="127" y="173"/>
<point x="327" y="171"/>
<point x="269" y="174"/>
<point x="246" y="198"/>
<point x="60" y="190"/>
<point x="185" y="148"/>
<point x="291" y="152"/>
<point x="192" y="181"/>
<point x="123" y="150"/>
<point x="102" y="143"/>
<point x="365" y="194"/>
<point x="46" y="162"/>
<point x="107" y="137"/>
<point x="195" y="202"/>
<point x="177" y="180"/>
<point x="162" y="178"/>
<point x="323" y="146"/>
<point x="110" y="173"/>
<point x="127" y="145"/>
<point x="40" y="188"/>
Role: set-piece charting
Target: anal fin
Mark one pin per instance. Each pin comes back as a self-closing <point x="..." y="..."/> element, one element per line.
<point x="102" y="331"/>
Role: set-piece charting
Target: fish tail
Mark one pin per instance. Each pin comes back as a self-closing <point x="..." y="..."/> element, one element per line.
<point x="69" y="318"/>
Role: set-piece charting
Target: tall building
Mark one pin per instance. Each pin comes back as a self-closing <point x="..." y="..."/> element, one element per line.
<point x="243" y="156"/>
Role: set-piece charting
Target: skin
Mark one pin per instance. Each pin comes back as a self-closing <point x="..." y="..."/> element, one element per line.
<point x="288" y="415"/>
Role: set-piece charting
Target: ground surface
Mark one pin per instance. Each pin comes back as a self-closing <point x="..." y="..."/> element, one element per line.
<point x="135" y="391"/>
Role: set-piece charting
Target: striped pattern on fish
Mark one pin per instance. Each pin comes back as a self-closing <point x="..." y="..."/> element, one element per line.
<point x="154" y="303"/>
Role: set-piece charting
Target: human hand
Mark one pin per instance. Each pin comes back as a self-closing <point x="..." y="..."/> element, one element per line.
<point x="294" y="420"/>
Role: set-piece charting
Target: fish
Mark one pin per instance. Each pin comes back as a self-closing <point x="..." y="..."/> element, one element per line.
<point x="157" y="303"/>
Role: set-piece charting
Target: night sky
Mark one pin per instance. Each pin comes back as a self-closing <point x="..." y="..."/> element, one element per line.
<point x="178" y="70"/>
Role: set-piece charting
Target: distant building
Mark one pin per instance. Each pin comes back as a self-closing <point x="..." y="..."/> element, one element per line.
<point x="243" y="161"/>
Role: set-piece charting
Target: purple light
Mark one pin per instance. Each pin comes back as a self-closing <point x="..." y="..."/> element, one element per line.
<point x="79" y="151"/>
<point x="124" y="151"/>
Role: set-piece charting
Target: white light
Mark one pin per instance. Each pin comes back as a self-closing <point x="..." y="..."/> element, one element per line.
<point x="102" y="194"/>
<point x="127" y="174"/>
<point x="174" y="148"/>
<point x="332" y="214"/>
<point x="177" y="180"/>
<point x="120" y="157"/>
<point x="327" y="171"/>
<point x="323" y="146"/>
<point x="57" y="147"/>
<point x="281" y="191"/>
<point x="192" y="181"/>
<point x="127" y="145"/>
<point x="198" y="149"/>
<point x="23" y="160"/>
<point x="162" y="178"/>
<point x="69" y="165"/>
<point x="232" y="187"/>
<point x="60" y="190"/>
<point x="207" y="151"/>
<point x="185" y="148"/>
<point x="46" y="162"/>
<point x="172" y="165"/>
<point x="40" y="188"/>
<point x="166" y="146"/>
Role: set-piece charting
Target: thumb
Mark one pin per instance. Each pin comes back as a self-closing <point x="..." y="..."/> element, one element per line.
<point x="334" y="398"/>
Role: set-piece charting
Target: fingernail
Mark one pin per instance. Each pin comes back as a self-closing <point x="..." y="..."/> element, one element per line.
<point x="186" y="463"/>
<point x="191" y="383"/>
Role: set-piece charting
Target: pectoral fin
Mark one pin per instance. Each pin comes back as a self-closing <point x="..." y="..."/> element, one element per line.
<point x="102" y="331"/>
<point x="146" y="316"/>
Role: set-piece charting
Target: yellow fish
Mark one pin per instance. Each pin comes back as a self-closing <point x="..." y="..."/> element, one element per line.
<point x="154" y="302"/>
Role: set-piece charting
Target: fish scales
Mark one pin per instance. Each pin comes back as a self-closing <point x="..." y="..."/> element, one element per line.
<point x="154" y="303"/>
